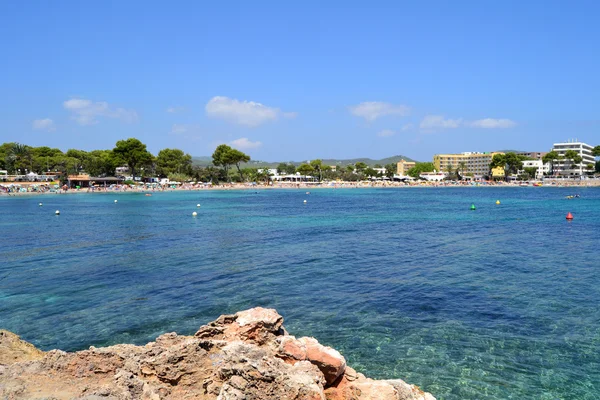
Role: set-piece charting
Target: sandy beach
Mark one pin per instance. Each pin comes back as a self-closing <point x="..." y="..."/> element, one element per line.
<point x="35" y="188"/>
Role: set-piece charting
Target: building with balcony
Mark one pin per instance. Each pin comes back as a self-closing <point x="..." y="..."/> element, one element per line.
<point x="403" y="166"/>
<point x="567" y="168"/>
<point x="542" y="168"/>
<point x="475" y="164"/>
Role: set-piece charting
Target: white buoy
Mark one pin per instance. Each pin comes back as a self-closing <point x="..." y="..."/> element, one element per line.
<point x="41" y="204"/>
<point x="198" y="205"/>
<point x="57" y="212"/>
<point x="115" y="201"/>
<point x="194" y="214"/>
<point x="304" y="201"/>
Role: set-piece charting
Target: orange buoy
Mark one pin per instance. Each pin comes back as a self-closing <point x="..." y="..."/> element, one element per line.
<point x="569" y="216"/>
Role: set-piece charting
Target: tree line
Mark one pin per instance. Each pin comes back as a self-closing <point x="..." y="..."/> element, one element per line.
<point x="174" y="164"/>
<point x="20" y="159"/>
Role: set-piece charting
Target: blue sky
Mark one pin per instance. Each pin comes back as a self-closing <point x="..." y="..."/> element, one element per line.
<point x="301" y="80"/>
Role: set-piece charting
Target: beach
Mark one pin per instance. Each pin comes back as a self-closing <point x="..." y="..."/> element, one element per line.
<point x="28" y="188"/>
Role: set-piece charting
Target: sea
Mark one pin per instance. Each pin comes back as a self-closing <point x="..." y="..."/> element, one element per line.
<point x="500" y="302"/>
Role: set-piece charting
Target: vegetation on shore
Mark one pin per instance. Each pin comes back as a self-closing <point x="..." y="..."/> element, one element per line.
<point x="176" y="165"/>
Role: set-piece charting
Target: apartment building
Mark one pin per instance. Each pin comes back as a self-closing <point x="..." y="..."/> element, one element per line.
<point x="477" y="164"/>
<point x="403" y="166"/>
<point x="541" y="167"/>
<point x="535" y="155"/>
<point x="567" y="167"/>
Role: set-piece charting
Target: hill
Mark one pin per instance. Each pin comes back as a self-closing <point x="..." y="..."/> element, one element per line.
<point x="205" y="161"/>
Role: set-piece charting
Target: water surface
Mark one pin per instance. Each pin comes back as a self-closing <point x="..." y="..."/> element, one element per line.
<point x="498" y="303"/>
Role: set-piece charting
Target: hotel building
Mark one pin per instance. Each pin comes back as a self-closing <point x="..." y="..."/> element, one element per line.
<point x="403" y="166"/>
<point x="568" y="168"/>
<point x="477" y="164"/>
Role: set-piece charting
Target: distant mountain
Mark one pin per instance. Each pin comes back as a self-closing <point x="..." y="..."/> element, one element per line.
<point x="205" y="161"/>
<point x="510" y="151"/>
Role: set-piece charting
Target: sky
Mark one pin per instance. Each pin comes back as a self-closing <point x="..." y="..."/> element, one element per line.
<point x="301" y="80"/>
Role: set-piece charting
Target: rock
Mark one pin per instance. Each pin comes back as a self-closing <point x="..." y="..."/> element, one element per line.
<point x="330" y="361"/>
<point x="291" y="349"/>
<point x="13" y="349"/>
<point x="246" y="356"/>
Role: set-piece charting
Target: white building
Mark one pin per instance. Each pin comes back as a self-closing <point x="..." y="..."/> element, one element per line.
<point x="567" y="167"/>
<point x="541" y="167"/>
<point x="433" y="176"/>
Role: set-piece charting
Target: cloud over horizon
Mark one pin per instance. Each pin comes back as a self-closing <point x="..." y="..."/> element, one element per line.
<point x="175" y="109"/>
<point x="86" y="112"/>
<point x="432" y="122"/>
<point x="244" y="144"/>
<point x="45" y="124"/>
<point x="371" y="110"/>
<point x="491" y="123"/>
<point x="248" y="113"/>
<point x="438" y="121"/>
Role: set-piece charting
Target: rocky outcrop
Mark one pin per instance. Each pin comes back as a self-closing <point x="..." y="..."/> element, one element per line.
<point x="246" y="356"/>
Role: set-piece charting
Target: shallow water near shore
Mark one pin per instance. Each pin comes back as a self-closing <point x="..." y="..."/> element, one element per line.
<point x="498" y="303"/>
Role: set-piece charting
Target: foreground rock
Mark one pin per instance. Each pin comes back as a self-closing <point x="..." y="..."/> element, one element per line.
<point x="246" y="356"/>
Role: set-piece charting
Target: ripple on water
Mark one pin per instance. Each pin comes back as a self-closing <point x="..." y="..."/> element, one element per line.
<point x="498" y="303"/>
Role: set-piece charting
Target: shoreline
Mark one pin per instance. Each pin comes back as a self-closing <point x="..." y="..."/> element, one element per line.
<point x="32" y="188"/>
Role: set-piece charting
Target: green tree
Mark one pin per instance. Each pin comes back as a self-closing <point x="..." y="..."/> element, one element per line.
<point x="462" y="166"/>
<point x="510" y="162"/>
<point x="290" y="169"/>
<point x="596" y="151"/>
<point x="370" y="172"/>
<point x="530" y="172"/>
<point x="573" y="158"/>
<point x="221" y="157"/>
<point x="590" y="168"/>
<point x="550" y="158"/>
<point x="18" y="158"/>
<point x="419" y="168"/>
<point x="281" y="168"/>
<point x="318" y="166"/>
<point x="305" y="169"/>
<point x="263" y="175"/>
<point x="597" y="166"/>
<point x="101" y="163"/>
<point x="170" y="161"/>
<point x="390" y="170"/>
<point x="133" y="153"/>
<point x="238" y="157"/>
<point x="179" y="177"/>
<point x="224" y="156"/>
<point x="360" y="166"/>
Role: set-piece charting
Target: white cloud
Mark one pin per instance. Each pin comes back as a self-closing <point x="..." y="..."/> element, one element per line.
<point x="45" y="124"/>
<point x="178" y="129"/>
<point x="244" y="144"/>
<point x="431" y="122"/>
<point x="175" y="109"/>
<point x="87" y="112"/>
<point x="290" y="115"/>
<point x="491" y="123"/>
<point x="371" y="110"/>
<point x="386" y="133"/>
<point x="247" y="113"/>
<point x="407" y="127"/>
<point x="188" y="132"/>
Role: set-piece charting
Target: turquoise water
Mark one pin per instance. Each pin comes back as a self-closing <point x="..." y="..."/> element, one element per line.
<point x="498" y="303"/>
